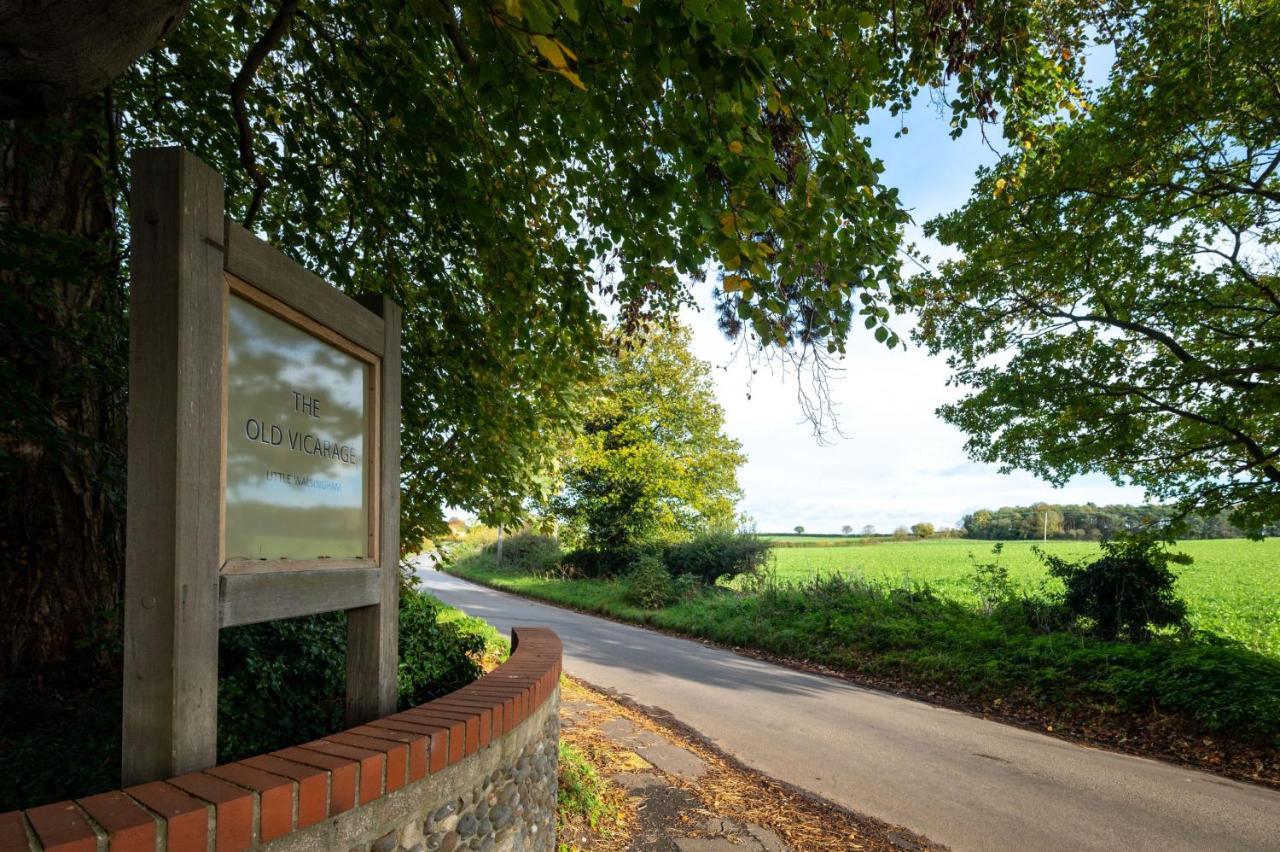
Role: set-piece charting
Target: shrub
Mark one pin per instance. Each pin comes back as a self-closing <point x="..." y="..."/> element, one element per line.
<point x="685" y="587"/>
<point x="528" y="552"/>
<point x="480" y="535"/>
<point x="284" y="682"/>
<point x="649" y="583"/>
<point x="61" y="733"/>
<point x="713" y="556"/>
<point x="437" y="656"/>
<point x="1042" y="613"/>
<point x="598" y="564"/>
<point x="990" y="581"/>
<point x="280" y="683"/>
<point x="1126" y="592"/>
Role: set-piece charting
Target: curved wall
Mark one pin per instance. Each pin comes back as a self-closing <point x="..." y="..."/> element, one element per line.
<point x="475" y="769"/>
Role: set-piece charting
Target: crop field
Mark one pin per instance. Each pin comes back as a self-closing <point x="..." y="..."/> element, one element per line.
<point x="1232" y="587"/>
<point x="790" y="538"/>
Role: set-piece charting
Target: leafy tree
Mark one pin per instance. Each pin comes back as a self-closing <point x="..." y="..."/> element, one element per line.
<point x="869" y="529"/>
<point x="493" y="166"/>
<point x="799" y="530"/>
<point x="924" y="529"/>
<point x="1092" y="522"/>
<point x="847" y="529"/>
<point x="652" y="463"/>
<point x="1116" y="308"/>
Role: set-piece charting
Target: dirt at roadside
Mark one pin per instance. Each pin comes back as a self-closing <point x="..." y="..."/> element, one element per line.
<point x="678" y="793"/>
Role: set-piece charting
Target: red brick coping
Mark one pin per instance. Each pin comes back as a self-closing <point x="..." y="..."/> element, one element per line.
<point x="256" y="800"/>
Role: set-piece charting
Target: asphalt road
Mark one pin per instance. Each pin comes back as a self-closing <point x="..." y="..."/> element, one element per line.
<point x="962" y="781"/>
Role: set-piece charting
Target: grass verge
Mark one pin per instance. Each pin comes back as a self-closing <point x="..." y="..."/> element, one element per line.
<point x="1199" y="700"/>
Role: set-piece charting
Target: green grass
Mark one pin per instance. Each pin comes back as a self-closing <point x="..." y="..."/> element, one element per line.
<point x="1232" y="588"/>
<point x="581" y="797"/>
<point x="934" y="641"/>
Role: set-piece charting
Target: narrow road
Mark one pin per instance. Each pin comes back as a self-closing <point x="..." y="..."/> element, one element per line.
<point x="959" y="780"/>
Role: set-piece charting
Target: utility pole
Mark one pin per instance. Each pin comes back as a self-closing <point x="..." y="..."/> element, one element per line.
<point x="1046" y="525"/>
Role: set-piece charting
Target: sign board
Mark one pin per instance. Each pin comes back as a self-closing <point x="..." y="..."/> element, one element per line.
<point x="299" y="419"/>
<point x="264" y="443"/>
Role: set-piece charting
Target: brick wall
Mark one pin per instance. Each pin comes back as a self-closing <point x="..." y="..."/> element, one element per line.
<point x="474" y="769"/>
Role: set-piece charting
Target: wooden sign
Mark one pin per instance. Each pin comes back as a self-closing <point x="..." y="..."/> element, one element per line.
<point x="264" y="445"/>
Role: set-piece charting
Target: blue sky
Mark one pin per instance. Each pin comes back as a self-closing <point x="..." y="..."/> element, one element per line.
<point x="899" y="462"/>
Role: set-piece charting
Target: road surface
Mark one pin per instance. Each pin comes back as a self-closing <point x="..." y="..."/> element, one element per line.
<point x="966" y="782"/>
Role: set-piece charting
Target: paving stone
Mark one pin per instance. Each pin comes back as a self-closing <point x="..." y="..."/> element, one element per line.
<point x="709" y="844"/>
<point x="645" y="737"/>
<point x="671" y="758"/>
<point x="637" y="780"/>
<point x="618" y="727"/>
<point x="768" y="838"/>
<point x="723" y="825"/>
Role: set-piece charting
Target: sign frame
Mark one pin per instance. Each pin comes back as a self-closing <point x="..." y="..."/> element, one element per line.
<point x="238" y="287"/>
<point x="187" y="260"/>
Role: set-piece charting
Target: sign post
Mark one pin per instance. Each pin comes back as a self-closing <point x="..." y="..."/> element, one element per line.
<point x="264" y="445"/>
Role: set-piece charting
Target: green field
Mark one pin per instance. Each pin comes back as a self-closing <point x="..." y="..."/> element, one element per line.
<point x="789" y="538"/>
<point x="1232" y="588"/>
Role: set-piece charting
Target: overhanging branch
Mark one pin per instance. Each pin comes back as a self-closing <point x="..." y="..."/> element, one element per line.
<point x="240" y="86"/>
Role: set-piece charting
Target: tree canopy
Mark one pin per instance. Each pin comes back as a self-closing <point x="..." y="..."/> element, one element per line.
<point x="491" y="164"/>
<point x="507" y="170"/>
<point x="1116" y="305"/>
<point x="652" y="463"/>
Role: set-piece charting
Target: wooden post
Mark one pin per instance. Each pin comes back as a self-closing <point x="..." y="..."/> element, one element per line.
<point x="174" y="520"/>
<point x="373" y="631"/>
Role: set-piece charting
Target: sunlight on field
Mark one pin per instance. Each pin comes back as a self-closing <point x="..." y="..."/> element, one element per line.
<point x="1232" y="588"/>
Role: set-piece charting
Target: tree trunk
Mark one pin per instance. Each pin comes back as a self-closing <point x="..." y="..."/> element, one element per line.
<point x="63" y="360"/>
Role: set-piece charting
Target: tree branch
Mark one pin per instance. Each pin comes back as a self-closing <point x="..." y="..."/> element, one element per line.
<point x="240" y="86"/>
<point x="1258" y="457"/>
<point x="456" y="38"/>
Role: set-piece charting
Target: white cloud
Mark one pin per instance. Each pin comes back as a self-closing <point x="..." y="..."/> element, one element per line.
<point x="900" y="463"/>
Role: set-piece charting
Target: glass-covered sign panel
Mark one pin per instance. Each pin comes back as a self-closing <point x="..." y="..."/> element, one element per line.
<point x="296" y="465"/>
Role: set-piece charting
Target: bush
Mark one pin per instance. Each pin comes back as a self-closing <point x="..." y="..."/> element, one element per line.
<point x="716" y="555"/>
<point x="284" y="682"/>
<point x="1126" y="592"/>
<point x="685" y="587"/>
<point x="595" y="564"/>
<point x="280" y="683"/>
<point x="649" y="583"/>
<point x="437" y="655"/>
<point x="61" y="733"/>
<point x="990" y="581"/>
<point x="528" y="552"/>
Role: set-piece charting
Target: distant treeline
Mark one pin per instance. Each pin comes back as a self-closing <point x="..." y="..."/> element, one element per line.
<point x="1088" y="522"/>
